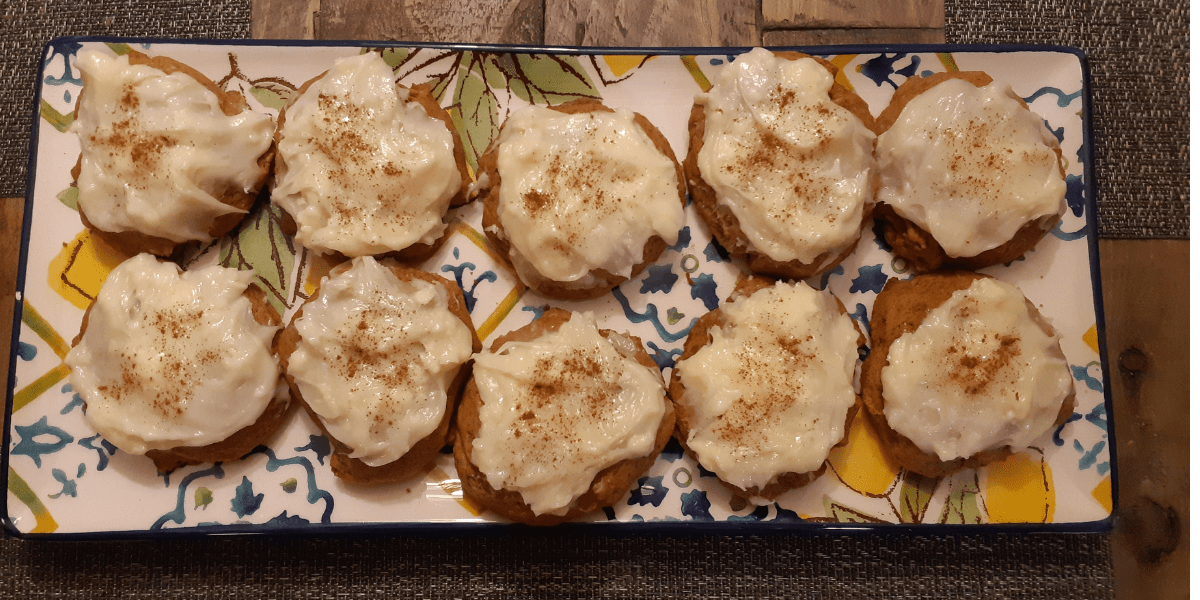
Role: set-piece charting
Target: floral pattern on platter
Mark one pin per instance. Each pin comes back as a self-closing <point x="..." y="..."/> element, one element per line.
<point x="64" y="478"/>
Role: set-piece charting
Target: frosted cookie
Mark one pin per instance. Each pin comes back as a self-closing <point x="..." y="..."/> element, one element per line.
<point x="166" y="157"/>
<point x="559" y="420"/>
<point x="366" y="166"/>
<point x="179" y="366"/>
<point x="963" y="370"/>
<point x="781" y="163"/>
<point x="377" y="356"/>
<point x="580" y="197"/>
<point x="766" y="386"/>
<point x="969" y="176"/>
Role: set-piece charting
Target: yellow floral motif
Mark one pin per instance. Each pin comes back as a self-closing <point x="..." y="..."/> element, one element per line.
<point x="861" y="464"/>
<point x="947" y="60"/>
<point x="45" y="523"/>
<point x="840" y="61"/>
<point x="621" y="64"/>
<point x="452" y="486"/>
<point x="693" y="68"/>
<point x="1092" y="340"/>
<point x="318" y="267"/>
<point x="1019" y="489"/>
<point x="81" y="268"/>
<point x="1103" y="493"/>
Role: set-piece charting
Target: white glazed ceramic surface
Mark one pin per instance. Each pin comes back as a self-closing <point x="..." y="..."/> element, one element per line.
<point x="64" y="478"/>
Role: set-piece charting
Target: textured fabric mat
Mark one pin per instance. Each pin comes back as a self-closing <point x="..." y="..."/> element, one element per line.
<point x="1139" y="59"/>
<point x="28" y="24"/>
<point x="547" y="565"/>
<point x="541" y="565"/>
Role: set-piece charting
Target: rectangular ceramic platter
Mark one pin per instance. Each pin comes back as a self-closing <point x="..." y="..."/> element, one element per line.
<point x="64" y="479"/>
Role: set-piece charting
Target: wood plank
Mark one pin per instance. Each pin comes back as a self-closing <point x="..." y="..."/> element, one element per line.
<point x="831" y="37"/>
<point x="853" y="13"/>
<point x="493" y="22"/>
<point x="283" y="19"/>
<point x="11" y="211"/>
<point x="652" y="23"/>
<point x="1145" y="286"/>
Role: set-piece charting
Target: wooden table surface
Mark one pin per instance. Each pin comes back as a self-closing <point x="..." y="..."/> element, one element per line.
<point x="1145" y="282"/>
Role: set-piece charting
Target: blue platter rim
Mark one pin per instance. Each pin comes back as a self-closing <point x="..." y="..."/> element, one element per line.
<point x="648" y="528"/>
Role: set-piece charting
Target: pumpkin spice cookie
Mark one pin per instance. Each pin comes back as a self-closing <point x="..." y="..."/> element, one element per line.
<point x="559" y="420"/>
<point x="167" y="158"/>
<point x="766" y="386"/>
<point x="580" y="197"/>
<point x="969" y="176"/>
<point x="366" y="166"/>
<point x="179" y="366"/>
<point x="378" y="356"/>
<point x="780" y="163"/>
<point x="963" y="371"/>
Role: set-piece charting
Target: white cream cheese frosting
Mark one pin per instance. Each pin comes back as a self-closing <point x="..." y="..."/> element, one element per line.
<point x="978" y="373"/>
<point x="173" y="359"/>
<point x="971" y="166"/>
<point x="582" y="191"/>
<point x="375" y="357"/>
<point x="769" y="395"/>
<point x="157" y="152"/>
<point x="794" y="167"/>
<point x="367" y="171"/>
<point x="559" y="409"/>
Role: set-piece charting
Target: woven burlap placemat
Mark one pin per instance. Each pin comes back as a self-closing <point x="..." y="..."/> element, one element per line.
<point x="547" y="565"/>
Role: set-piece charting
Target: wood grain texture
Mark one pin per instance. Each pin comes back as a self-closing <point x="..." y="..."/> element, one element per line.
<point x="283" y="19"/>
<point x="829" y="37"/>
<point x="1145" y="285"/>
<point x="11" y="211"/>
<point x="853" y="13"/>
<point x="652" y="23"/>
<point x="493" y="22"/>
